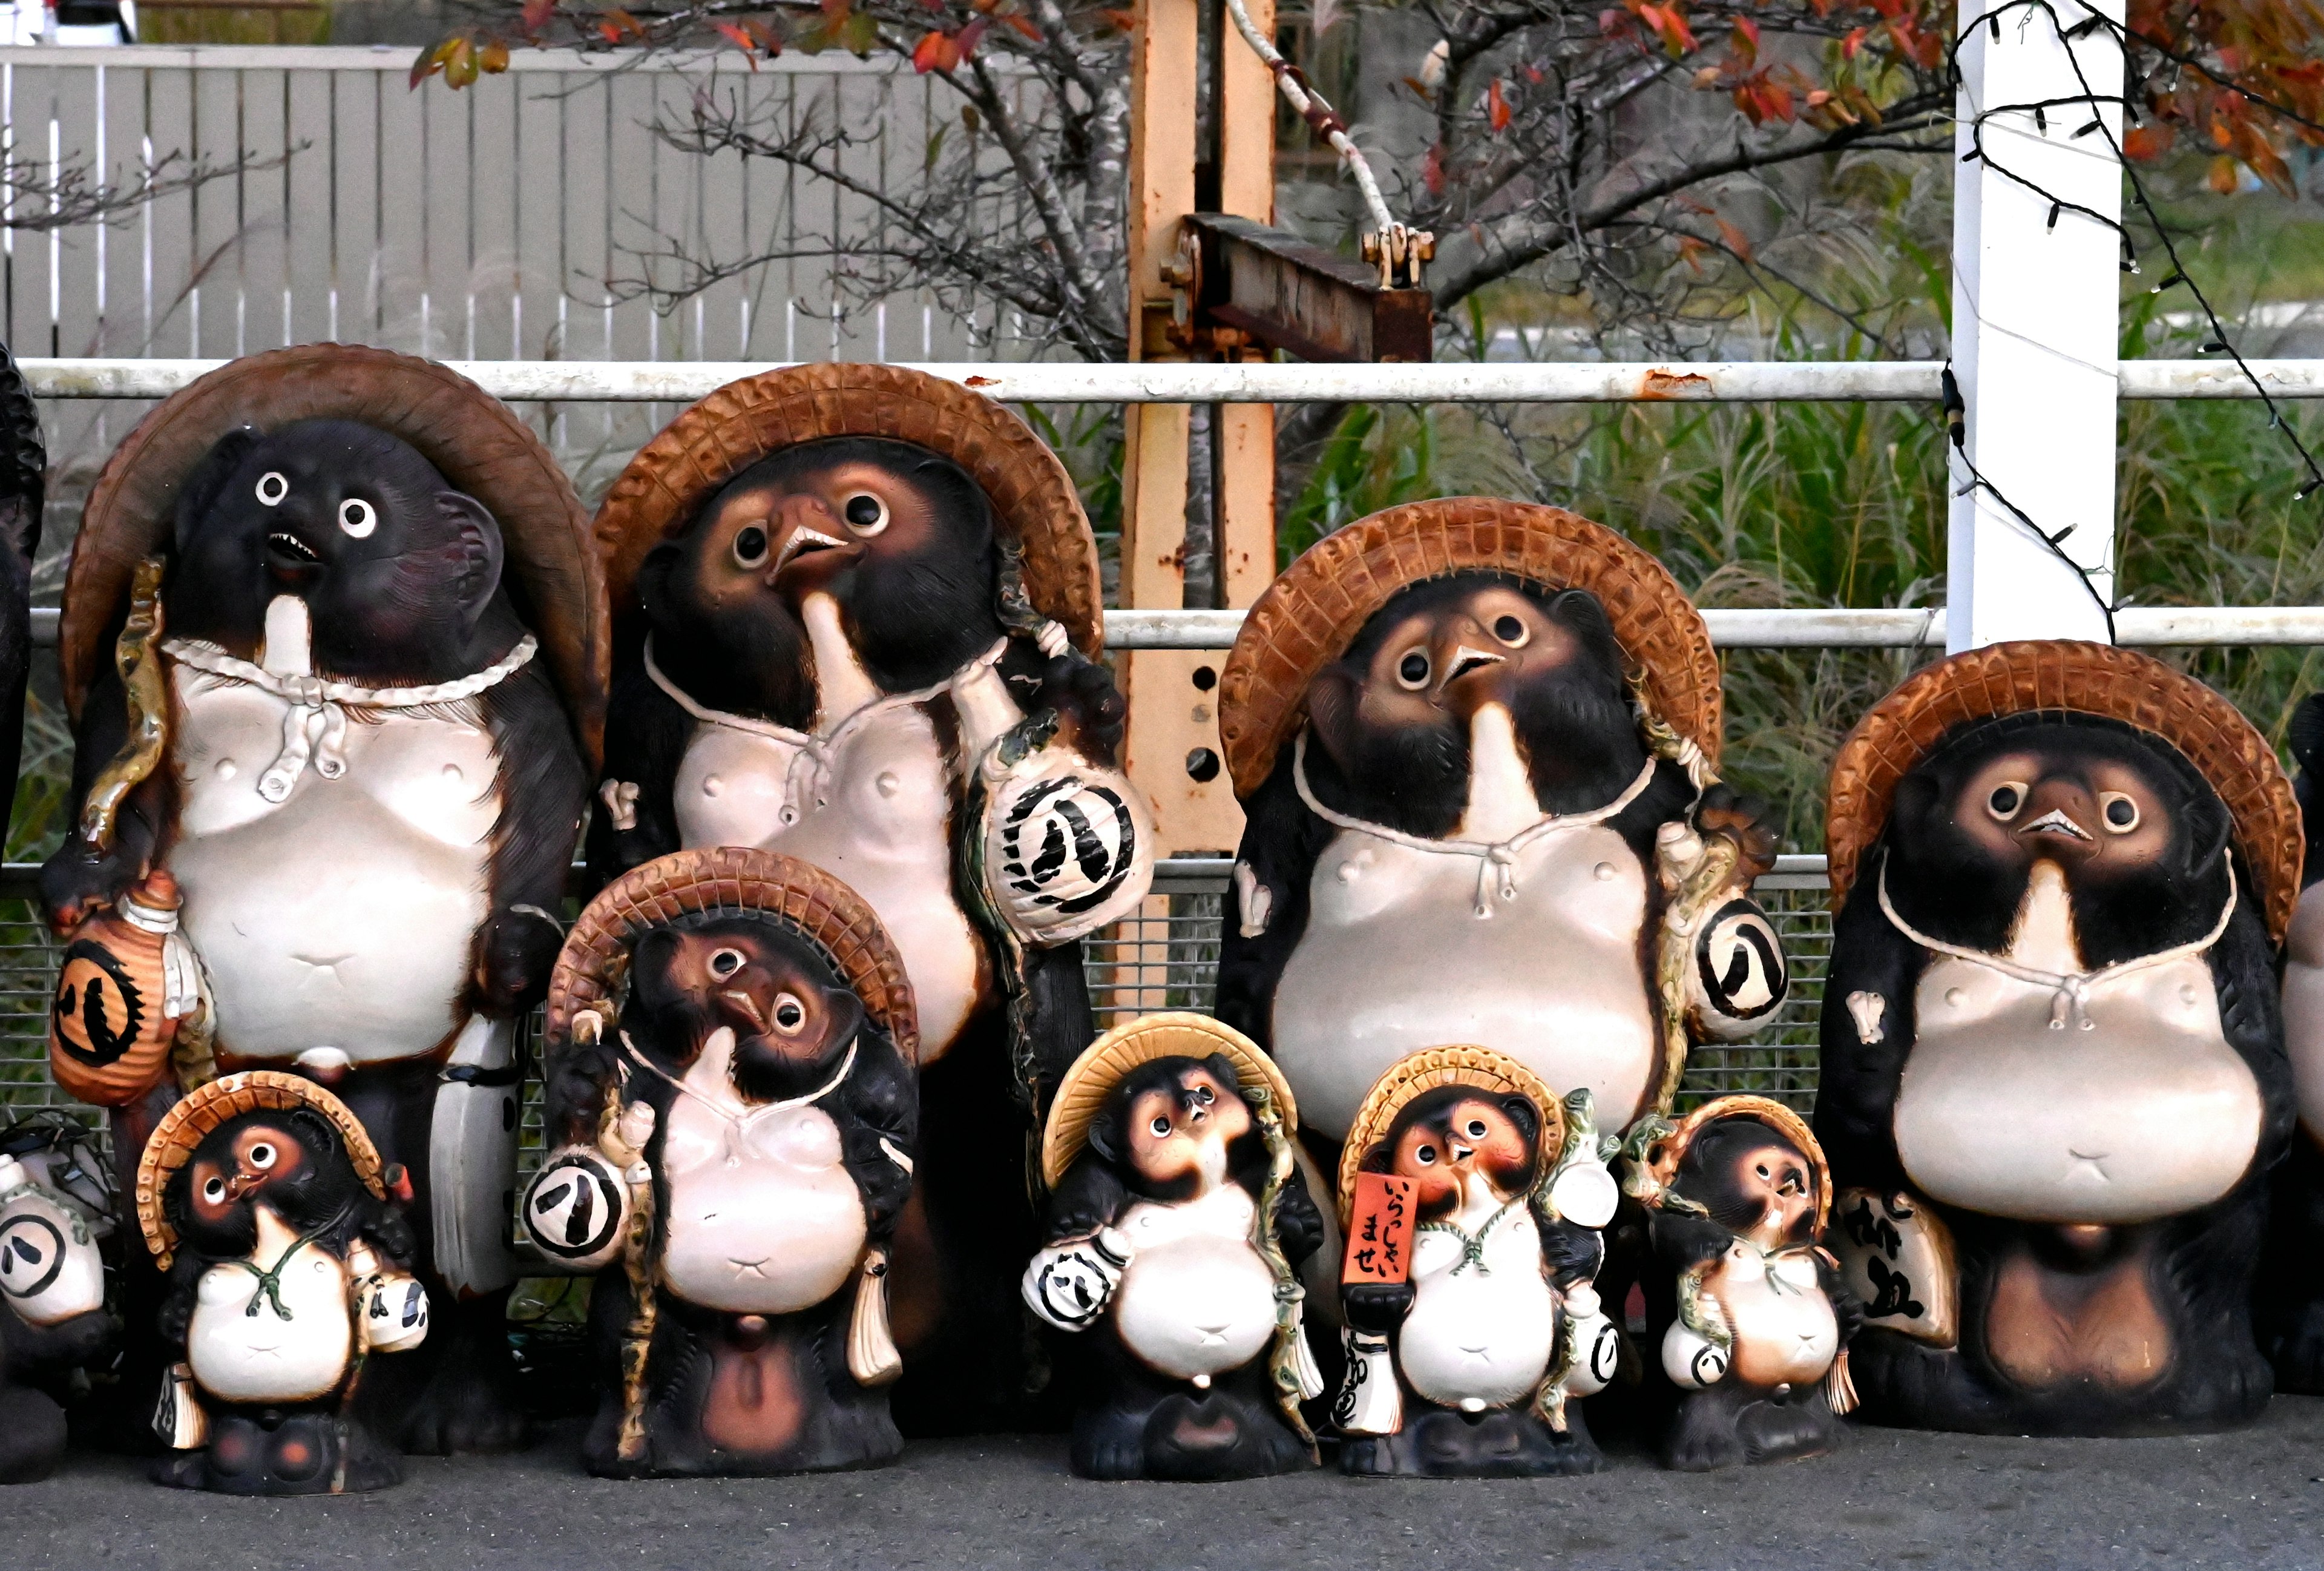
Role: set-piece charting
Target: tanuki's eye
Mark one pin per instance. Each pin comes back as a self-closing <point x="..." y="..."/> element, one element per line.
<point x="865" y="514"/>
<point x="725" y="962"/>
<point x="1159" y="1126"/>
<point x="1511" y="631"/>
<point x="749" y="546"/>
<point x="1476" y="1129"/>
<point x="261" y="1156"/>
<point x="790" y="1014"/>
<point x="1426" y="1156"/>
<point x="2119" y="811"/>
<point x="273" y="487"/>
<point x="2007" y="799"/>
<point x="358" y="518"/>
<point x="1412" y="670"/>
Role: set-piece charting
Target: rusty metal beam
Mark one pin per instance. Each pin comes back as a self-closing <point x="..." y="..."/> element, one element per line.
<point x="1291" y="295"/>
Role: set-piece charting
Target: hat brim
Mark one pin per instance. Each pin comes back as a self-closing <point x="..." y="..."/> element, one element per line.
<point x="1413" y="1076"/>
<point x="2069" y="679"/>
<point x="476" y="442"/>
<point x="1313" y="611"/>
<point x="1104" y="1062"/>
<point x="1033" y="499"/>
<point x="185" y="1126"/>
<point x="595" y="960"/>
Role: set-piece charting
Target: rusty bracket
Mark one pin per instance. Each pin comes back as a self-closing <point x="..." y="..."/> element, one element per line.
<point x="1240" y="282"/>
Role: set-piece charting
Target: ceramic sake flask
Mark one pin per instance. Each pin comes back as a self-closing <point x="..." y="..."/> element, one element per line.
<point x="287" y="1259"/>
<point x="1754" y="1318"/>
<point x="2054" y="1077"/>
<point x="334" y="648"/>
<point x="857" y="622"/>
<point x="1177" y="1222"/>
<point x="731" y="1117"/>
<point x="51" y="1296"/>
<point x="1472" y="1199"/>
<point x="1476" y="743"/>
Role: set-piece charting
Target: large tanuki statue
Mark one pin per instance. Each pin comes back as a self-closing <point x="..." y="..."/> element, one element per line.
<point x="2053" y="1074"/>
<point x="856" y="615"/>
<point x="334" y="650"/>
<point x="731" y="1107"/>
<point x="1476" y="745"/>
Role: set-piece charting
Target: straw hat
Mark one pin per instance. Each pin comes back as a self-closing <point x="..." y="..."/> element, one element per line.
<point x="732" y="879"/>
<point x="475" y="440"/>
<point x="1105" y="1061"/>
<point x="1495" y="1074"/>
<point x="2071" y="678"/>
<point x="1310" y="614"/>
<point x="187" y="1125"/>
<point x="1664" y="1155"/>
<point x="1032" y="498"/>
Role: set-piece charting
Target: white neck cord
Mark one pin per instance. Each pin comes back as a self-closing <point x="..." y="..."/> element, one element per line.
<point x="316" y="728"/>
<point x="1497" y="868"/>
<point x="2070" y="990"/>
<point x="742" y="1118"/>
<point x="816" y="750"/>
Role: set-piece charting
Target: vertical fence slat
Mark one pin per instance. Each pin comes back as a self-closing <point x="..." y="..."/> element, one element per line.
<point x="491" y="197"/>
<point x="216" y="299"/>
<point x="265" y="214"/>
<point x="401" y="262"/>
<point x="311" y="212"/>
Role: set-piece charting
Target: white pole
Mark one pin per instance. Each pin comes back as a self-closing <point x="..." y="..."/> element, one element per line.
<point x="2035" y="284"/>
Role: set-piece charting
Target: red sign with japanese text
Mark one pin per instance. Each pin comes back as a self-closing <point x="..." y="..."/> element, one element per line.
<point x="1380" y="1231"/>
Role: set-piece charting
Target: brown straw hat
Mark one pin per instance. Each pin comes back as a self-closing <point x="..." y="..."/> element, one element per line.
<point x="186" y="1125"/>
<point x="1495" y="1074"/>
<point x="1104" y="1062"/>
<point x="477" y="442"/>
<point x="1662" y="1156"/>
<point x="732" y="879"/>
<point x="2077" y="679"/>
<point x="1032" y="498"/>
<point x="1312" y="612"/>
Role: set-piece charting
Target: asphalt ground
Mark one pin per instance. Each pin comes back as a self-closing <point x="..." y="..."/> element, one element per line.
<point x="2248" y="1499"/>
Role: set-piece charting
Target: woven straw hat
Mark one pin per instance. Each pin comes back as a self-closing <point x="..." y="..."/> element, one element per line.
<point x="187" y="1125"/>
<point x="1495" y="1074"/>
<point x="1032" y="498"/>
<point x="2077" y="679"/>
<point x="1104" y="1062"/>
<point x="1312" y="613"/>
<point x="472" y="438"/>
<point x="732" y="879"/>
<point x="1664" y="1155"/>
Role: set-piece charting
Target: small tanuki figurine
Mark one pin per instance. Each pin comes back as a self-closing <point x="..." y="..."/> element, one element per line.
<point x="2054" y="1079"/>
<point x="336" y="652"/>
<point x="52" y="1300"/>
<point x="24" y="491"/>
<point x="1472" y="1199"/>
<point x="1738" y="1197"/>
<point x="1476" y="743"/>
<point x="283" y="1239"/>
<point x="1177" y="1223"/>
<point x="2289" y="1307"/>
<point x="730" y="1116"/>
<point x="856" y="621"/>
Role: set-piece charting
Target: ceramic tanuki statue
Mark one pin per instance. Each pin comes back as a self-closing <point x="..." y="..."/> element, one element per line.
<point x="2053" y="1078"/>
<point x="1177" y="1221"/>
<point x="731" y="1138"/>
<point x="335" y="652"/>
<point x="1472" y="1199"/>
<point x="1475" y="742"/>
<point x="2289" y="1303"/>
<point x="23" y="492"/>
<point x="1758" y="1320"/>
<point x="52" y="1300"/>
<point x="857" y="621"/>
<point x="287" y="1252"/>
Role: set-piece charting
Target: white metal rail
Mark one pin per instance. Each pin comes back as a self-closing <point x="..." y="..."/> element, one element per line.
<point x="1593" y="381"/>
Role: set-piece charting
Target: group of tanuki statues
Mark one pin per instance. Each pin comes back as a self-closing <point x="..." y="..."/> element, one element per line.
<point x="350" y="666"/>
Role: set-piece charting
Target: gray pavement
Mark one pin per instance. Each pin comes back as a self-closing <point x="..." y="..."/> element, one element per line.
<point x="2250" y="1499"/>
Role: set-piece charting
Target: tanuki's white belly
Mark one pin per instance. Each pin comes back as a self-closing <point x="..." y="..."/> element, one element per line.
<point x="246" y="1345"/>
<point x="2147" y="1113"/>
<point x="1196" y="1297"/>
<point x="763" y="1217"/>
<point x="345" y="916"/>
<point x="1394" y="959"/>
<point x="1479" y="1330"/>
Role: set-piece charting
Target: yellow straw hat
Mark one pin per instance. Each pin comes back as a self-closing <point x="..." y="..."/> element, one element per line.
<point x="1464" y="1064"/>
<point x="1105" y="1061"/>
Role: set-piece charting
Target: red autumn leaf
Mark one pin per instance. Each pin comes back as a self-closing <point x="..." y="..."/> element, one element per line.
<point x="1749" y="29"/>
<point x="2149" y="142"/>
<point x="1020" y="24"/>
<point x="969" y="37"/>
<point x="536" y="13"/>
<point x="1736" y="241"/>
<point x="1122" y="21"/>
<point x="1689" y="249"/>
<point x="1852" y="43"/>
<point x="1497" y="108"/>
<point x="1432" y="170"/>
<point x="1534" y="74"/>
<point x="621" y="22"/>
<point x="834" y="12"/>
<point x="734" y="34"/>
<point x="936" y="52"/>
<point x="2222" y="179"/>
